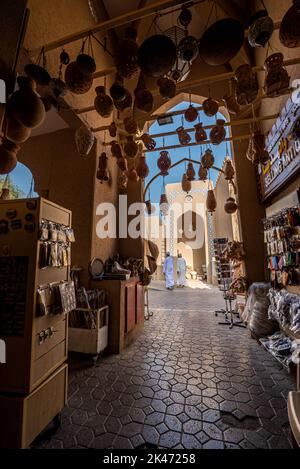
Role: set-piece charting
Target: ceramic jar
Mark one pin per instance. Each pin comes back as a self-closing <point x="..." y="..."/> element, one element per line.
<point x="103" y="103"/>
<point x="167" y="88"/>
<point x="149" y="142"/>
<point x="289" y="32"/>
<point x="122" y="182"/>
<point x="218" y="132"/>
<point x="210" y="107"/>
<point x="229" y="171"/>
<point x="202" y="173"/>
<point x="246" y="85"/>
<point x="164" y="163"/>
<point x="102" y="172"/>
<point x="25" y="105"/>
<point x="125" y="103"/>
<point x="112" y="130"/>
<point x="142" y="168"/>
<point x="84" y="139"/>
<point x="211" y="203"/>
<point x="183" y="136"/>
<point x="208" y="159"/>
<point x="143" y="100"/>
<point x="186" y="185"/>
<point x="122" y="164"/>
<point x="190" y="172"/>
<point x="130" y="125"/>
<point x="230" y="205"/>
<point x="200" y="134"/>
<point x="277" y="79"/>
<point x="191" y="114"/>
<point x="8" y="156"/>
<point x="117" y="90"/>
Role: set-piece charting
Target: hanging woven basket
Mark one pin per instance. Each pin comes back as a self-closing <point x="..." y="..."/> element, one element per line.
<point x="76" y="81"/>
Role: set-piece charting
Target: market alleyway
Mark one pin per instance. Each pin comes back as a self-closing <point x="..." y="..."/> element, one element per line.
<point x="187" y="382"/>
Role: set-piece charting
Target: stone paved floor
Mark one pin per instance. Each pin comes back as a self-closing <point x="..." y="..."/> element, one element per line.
<point x="187" y="382"/>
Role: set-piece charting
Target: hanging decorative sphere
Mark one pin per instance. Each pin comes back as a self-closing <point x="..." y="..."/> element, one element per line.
<point x="188" y="49"/>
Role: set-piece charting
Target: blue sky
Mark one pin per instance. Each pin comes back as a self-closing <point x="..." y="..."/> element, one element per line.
<point x="21" y="176"/>
<point x="175" y="175"/>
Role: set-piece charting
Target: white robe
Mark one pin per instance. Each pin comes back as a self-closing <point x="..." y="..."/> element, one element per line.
<point x="168" y="270"/>
<point x="181" y="270"/>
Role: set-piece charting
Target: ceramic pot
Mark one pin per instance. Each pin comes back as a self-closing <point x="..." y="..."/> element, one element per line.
<point x="25" y="105"/>
<point x="229" y="171"/>
<point x="102" y="172"/>
<point x="131" y="147"/>
<point x="230" y="205"/>
<point x="142" y="168"/>
<point x="218" y="132"/>
<point x="122" y="164"/>
<point x="15" y="131"/>
<point x="76" y="81"/>
<point x="246" y="85"/>
<point x="261" y="29"/>
<point x="190" y="173"/>
<point x="103" y="103"/>
<point x="130" y="125"/>
<point x="127" y="56"/>
<point x="86" y="64"/>
<point x="164" y="163"/>
<point x="202" y="173"/>
<point x="116" y="150"/>
<point x="210" y="107"/>
<point x="277" y="80"/>
<point x="200" y="134"/>
<point x="167" y="88"/>
<point x="38" y="74"/>
<point x="188" y="49"/>
<point x="186" y="184"/>
<point x="183" y="136"/>
<point x="221" y="41"/>
<point x="84" y="139"/>
<point x="211" y="203"/>
<point x="207" y="159"/>
<point x="144" y="100"/>
<point x="8" y="156"/>
<point x="112" y="130"/>
<point x="149" y="142"/>
<point x="289" y="32"/>
<point x="125" y="103"/>
<point x="157" y="55"/>
<point x="117" y="90"/>
<point x="191" y="114"/>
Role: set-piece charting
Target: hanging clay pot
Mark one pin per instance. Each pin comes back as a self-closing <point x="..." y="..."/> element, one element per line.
<point x="230" y="205"/>
<point x="8" y="156"/>
<point x="25" y="105"/>
<point x="186" y="185"/>
<point x="208" y="159"/>
<point x="112" y="129"/>
<point x="64" y="57"/>
<point x="126" y="58"/>
<point x="231" y="104"/>
<point x="185" y="16"/>
<point x="277" y="79"/>
<point x="210" y="107"/>
<point x="117" y="90"/>
<point x="149" y="142"/>
<point x="188" y="49"/>
<point x="183" y="136"/>
<point x="164" y="204"/>
<point x="76" y="81"/>
<point x="133" y="175"/>
<point x="116" y="149"/>
<point x="289" y="32"/>
<point x="200" y="134"/>
<point x="142" y="168"/>
<point x="149" y="207"/>
<point x="229" y="171"/>
<point x="84" y="139"/>
<point x="122" y="164"/>
<point x="261" y="29"/>
<point x="218" y="132"/>
<point x="103" y="103"/>
<point x="190" y="173"/>
<point x="261" y="155"/>
<point x="191" y="114"/>
<point x="164" y="163"/>
<point x="122" y="182"/>
<point x="15" y="131"/>
<point x="130" y="147"/>
<point x="202" y="173"/>
<point x="246" y="85"/>
<point x="143" y="99"/>
<point x="157" y="55"/>
<point x="211" y="203"/>
<point x="126" y="103"/>
<point x="221" y="41"/>
<point x="38" y="74"/>
<point x="130" y="125"/>
<point x="102" y="172"/>
<point x="86" y="64"/>
<point x="167" y="87"/>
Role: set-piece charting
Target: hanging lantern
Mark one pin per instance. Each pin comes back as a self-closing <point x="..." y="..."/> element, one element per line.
<point x="122" y="164"/>
<point x="130" y="147"/>
<point x="211" y="203"/>
<point x="208" y="159"/>
<point x="84" y="139"/>
<point x="186" y="184"/>
<point x="133" y="175"/>
<point x="103" y="103"/>
<point x="230" y="205"/>
<point x="102" y="172"/>
<point x="246" y="85"/>
<point x="210" y="107"/>
<point x="188" y="49"/>
<point x="181" y="69"/>
<point x="127" y="55"/>
<point x="229" y="171"/>
<point x="218" y="132"/>
<point x="191" y="114"/>
<point x="157" y="55"/>
<point x="200" y="134"/>
<point x="277" y="80"/>
<point x="183" y="136"/>
<point x="202" y="173"/>
<point x="122" y="182"/>
<point x="164" y="204"/>
<point x="289" y="32"/>
<point x="167" y="87"/>
<point x="130" y="125"/>
<point x="25" y="105"/>
<point x="8" y="156"/>
<point x="117" y="90"/>
<point x="76" y="81"/>
<point x="142" y="168"/>
<point x="190" y="173"/>
<point x="261" y="29"/>
<point x="112" y="129"/>
<point x="149" y="142"/>
<point x="116" y="149"/>
<point x="164" y="163"/>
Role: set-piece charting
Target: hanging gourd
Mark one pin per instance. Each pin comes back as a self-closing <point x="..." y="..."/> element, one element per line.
<point x="122" y="182"/>
<point x="230" y="205"/>
<point x="116" y="149"/>
<point x="186" y="184"/>
<point x="102" y="172"/>
<point x="208" y="159"/>
<point x="38" y="72"/>
<point x="112" y="129"/>
<point x="289" y="32"/>
<point x="211" y="203"/>
<point x="85" y="62"/>
<point x="277" y="80"/>
<point x="190" y="173"/>
<point x="164" y="163"/>
<point x="15" y="131"/>
<point x="149" y="142"/>
<point x="261" y="29"/>
<point x="76" y="81"/>
<point x="103" y="103"/>
<point x="183" y="136"/>
<point x="122" y="164"/>
<point x="246" y="85"/>
<point x="167" y="87"/>
<point x="202" y="173"/>
<point x="25" y="105"/>
<point x="218" y="133"/>
<point x="130" y="147"/>
<point x="210" y="107"/>
<point x="200" y="134"/>
<point x="229" y="171"/>
<point x="130" y="125"/>
<point x="142" y="168"/>
<point x="84" y="139"/>
<point x="8" y="156"/>
<point x="127" y="56"/>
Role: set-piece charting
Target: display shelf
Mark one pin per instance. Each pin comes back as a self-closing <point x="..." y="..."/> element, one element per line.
<point x="288" y="367"/>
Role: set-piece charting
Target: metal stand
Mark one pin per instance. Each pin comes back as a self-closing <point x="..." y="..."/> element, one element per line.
<point x="228" y="312"/>
<point x="147" y="313"/>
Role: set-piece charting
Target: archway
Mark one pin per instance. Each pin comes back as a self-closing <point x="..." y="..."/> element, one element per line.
<point x="19" y="184"/>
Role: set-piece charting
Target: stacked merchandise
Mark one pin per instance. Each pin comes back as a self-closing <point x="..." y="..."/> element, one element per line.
<point x="285" y="309"/>
<point x="282" y="238"/>
<point x="55" y="248"/>
<point x="222" y="267"/>
<point x="88" y="302"/>
<point x="283" y="348"/>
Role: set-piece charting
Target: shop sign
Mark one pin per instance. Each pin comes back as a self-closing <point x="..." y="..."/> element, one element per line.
<point x="284" y="152"/>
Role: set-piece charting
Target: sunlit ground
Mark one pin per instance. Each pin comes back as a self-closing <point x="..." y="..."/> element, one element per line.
<point x="194" y="284"/>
